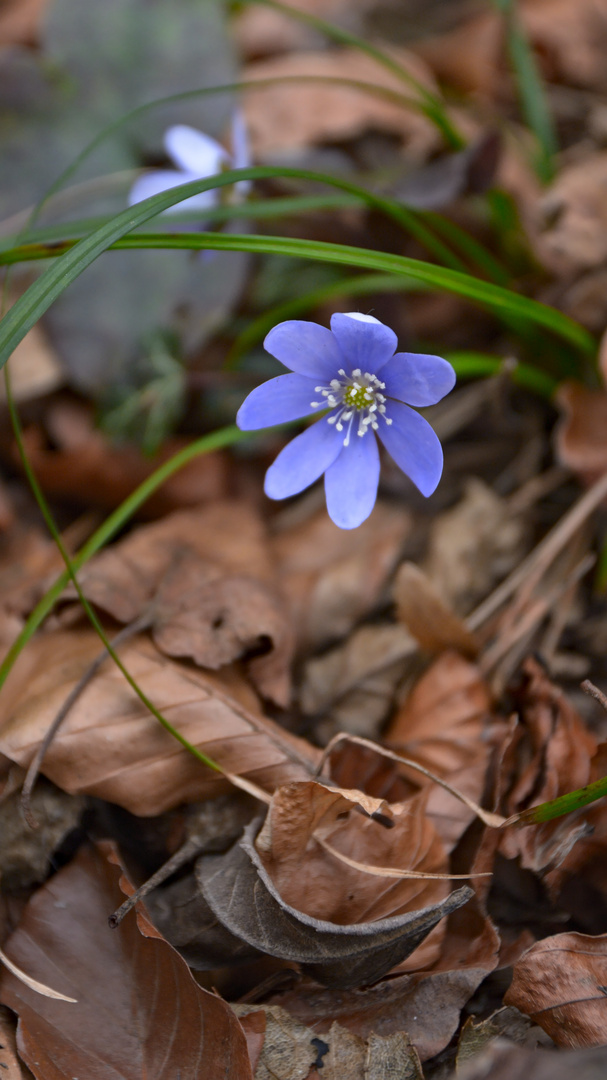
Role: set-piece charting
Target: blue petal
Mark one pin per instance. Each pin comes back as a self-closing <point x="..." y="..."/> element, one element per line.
<point x="305" y="347"/>
<point x="303" y="460"/>
<point x="418" y="378"/>
<point x="414" y="446"/>
<point x="364" y="342"/>
<point x="159" y="180"/>
<point x="194" y="152"/>
<point x="288" y="397"/>
<point x="351" y="482"/>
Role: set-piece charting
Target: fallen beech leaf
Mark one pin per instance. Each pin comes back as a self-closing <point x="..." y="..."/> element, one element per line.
<point x="19" y="22"/>
<point x="473" y="546"/>
<point x="548" y="754"/>
<point x="112" y="747"/>
<point x="426" y="1006"/>
<point x="139" y="1011"/>
<point x="303" y="817"/>
<point x="333" y="577"/>
<point x="291" y="116"/>
<point x="83" y="464"/>
<point x="470" y="57"/>
<point x="572" y="216"/>
<point x="581" y="436"/>
<point x="445" y="724"/>
<point x="206" y="579"/>
<point x="431" y="622"/>
<point x="570" y="41"/>
<point x="244" y="899"/>
<point x="560" y="983"/>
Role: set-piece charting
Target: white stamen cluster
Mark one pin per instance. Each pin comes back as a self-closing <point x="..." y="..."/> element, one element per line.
<point x="354" y="396"/>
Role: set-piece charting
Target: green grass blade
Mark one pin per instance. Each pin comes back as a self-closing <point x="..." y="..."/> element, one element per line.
<point x="565" y="804"/>
<point x="38" y="298"/>
<point x="530" y="89"/>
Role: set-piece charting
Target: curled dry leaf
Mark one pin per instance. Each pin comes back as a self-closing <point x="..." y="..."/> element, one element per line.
<point x="445" y="724"/>
<point x="333" y="577"/>
<point x="547" y="754"/>
<point x="581" y="436"/>
<point x="112" y="747"/>
<point x="427" y="617"/>
<point x="244" y="900"/>
<point x="138" y="1011"/>
<point x="303" y="817"/>
<point x="205" y="577"/>
<point x="560" y="983"/>
<point x="83" y="464"/>
<point x="292" y="116"/>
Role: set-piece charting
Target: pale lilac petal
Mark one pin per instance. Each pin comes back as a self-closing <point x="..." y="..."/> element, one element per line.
<point x="417" y="378"/>
<point x="303" y="460"/>
<point x="288" y="397"/>
<point x="414" y="446"/>
<point x="194" y="152"/>
<point x="351" y="482"/>
<point x="241" y="151"/>
<point x="305" y="347"/>
<point x="153" y="183"/>
<point x="365" y="342"/>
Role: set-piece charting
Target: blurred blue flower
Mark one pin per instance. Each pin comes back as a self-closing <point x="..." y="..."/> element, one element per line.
<point x="353" y="371"/>
<point x="195" y="156"/>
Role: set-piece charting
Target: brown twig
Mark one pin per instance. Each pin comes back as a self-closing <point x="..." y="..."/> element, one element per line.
<point x="598" y="695"/>
<point x="33" y="771"/>
<point x="185" y="854"/>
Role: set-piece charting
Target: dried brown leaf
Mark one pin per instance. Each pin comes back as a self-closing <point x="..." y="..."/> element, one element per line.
<point x="427" y="617"/>
<point x="292" y="116"/>
<point x="83" y="464"/>
<point x="445" y="724"/>
<point x="548" y="754"/>
<point x="205" y="578"/>
<point x="473" y="546"/>
<point x="245" y="901"/>
<point x="112" y="747"/>
<point x="573" y="218"/>
<point x="560" y="983"/>
<point x="333" y="577"/>
<point x="138" y="1012"/>
<point x="310" y="878"/>
<point x="581" y="436"/>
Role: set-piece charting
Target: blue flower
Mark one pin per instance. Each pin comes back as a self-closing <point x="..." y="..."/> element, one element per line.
<point x="353" y="371"/>
<point x="195" y="156"/>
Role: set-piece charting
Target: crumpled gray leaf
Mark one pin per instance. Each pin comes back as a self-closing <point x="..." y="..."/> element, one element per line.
<point x="244" y="900"/>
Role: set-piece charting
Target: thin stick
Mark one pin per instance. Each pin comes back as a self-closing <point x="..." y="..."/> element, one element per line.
<point x="34" y="767"/>
<point x="589" y="688"/>
<point x="494" y="821"/>
<point x="185" y="854"/>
